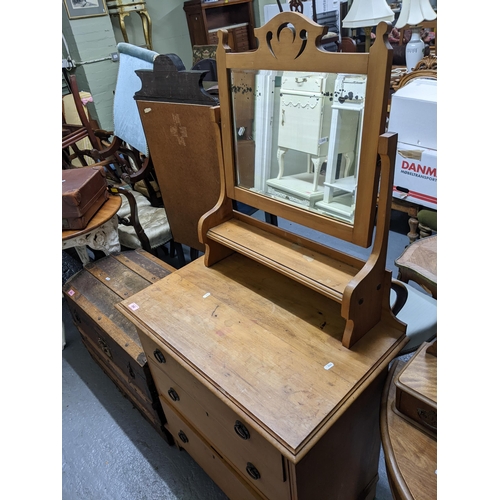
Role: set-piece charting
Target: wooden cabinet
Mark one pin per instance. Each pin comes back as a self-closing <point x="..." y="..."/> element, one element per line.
<point x="206" y="18"/>
<point x="255" y="383"/>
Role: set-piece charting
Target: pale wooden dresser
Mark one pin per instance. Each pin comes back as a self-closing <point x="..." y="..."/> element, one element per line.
<point x="256" y="385"/>
<point x="270" y="354"/>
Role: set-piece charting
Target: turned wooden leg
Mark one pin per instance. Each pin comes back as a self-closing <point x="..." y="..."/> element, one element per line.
<point x="413" y="234"/>
<point x="281" y="161"/>
<point x="424" y="231"/>
<point x="317" y="161"/>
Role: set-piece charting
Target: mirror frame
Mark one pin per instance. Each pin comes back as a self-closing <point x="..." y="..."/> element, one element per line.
<point x="293" y="43"/>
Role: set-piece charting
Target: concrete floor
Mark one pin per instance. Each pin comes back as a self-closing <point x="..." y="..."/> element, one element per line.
<point x="110" y="452"/>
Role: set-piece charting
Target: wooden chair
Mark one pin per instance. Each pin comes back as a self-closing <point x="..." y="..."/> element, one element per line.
<point x="431" y="25"/>
<point x="78" y="137"/>
<point x="418" y="263"/>
<point x="418" y="310"/>
<point x="140" y="225"/>
<point x="425" y="68"/>
<point x="348" y="45"/>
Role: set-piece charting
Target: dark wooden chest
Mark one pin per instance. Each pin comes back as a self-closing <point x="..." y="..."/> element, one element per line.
<point x="110" y="338"/>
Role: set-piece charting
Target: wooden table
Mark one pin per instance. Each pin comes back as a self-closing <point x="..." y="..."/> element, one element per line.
<point x="101" y="233"/>
<point x="410" y="454"/>
<point x="419" y="263"/>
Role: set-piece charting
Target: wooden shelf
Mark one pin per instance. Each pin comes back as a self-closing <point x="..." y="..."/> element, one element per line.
<point x="205" y="19"/>
<point x="327" y="272"/>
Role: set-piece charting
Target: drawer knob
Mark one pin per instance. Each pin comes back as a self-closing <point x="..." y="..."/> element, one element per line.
<point x="159" y="356"/>
<point x="183" y="437"/>
<point x="173" y="395"/>
<point x="252" y="471"/>
<point x="241" y="430"/>
<point x="428" y="418"/>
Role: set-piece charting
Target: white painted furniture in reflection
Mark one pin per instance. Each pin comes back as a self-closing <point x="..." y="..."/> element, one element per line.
<point x="341" y="177"/>
<point x="304" y="126"/>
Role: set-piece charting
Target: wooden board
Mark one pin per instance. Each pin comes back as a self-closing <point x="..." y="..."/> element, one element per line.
<point x="184" y="140"/>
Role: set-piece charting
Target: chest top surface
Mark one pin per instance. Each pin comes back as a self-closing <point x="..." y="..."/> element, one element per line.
<point x="239" y="328"/>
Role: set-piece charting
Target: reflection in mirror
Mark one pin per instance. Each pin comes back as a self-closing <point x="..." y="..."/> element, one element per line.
<point x="298" y="137"/>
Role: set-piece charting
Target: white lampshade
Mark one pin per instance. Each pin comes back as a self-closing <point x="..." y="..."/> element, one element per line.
<point x="414" y="12"/>
<point x="364" y="13"/>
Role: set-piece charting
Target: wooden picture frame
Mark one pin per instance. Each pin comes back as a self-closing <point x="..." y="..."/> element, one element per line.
<point x="79" y="9"/>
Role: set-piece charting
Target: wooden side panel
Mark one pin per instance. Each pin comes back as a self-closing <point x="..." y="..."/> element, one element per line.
<point x="344" y="464"/>
<point x="184" y="141"/>
<point x="152" y="411"/>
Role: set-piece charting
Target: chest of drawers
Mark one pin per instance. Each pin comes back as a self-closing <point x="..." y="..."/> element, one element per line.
<point x="256" y="384"/>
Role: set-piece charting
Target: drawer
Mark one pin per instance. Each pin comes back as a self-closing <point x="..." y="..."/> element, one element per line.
<point x="233" y="437"/>
<point x="419" y="412"/>
<point x="113" y="348"/>
<point x="151" y="411"/>
<point x="299" y="82"/>
<point x="416" y="389"/>
<point x="207" y="458"/>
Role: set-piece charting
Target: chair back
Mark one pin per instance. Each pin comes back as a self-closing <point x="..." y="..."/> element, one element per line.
<point x="348" y="45"/>
<point x="127" y="122"/>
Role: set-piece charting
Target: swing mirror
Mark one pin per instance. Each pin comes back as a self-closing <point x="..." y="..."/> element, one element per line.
<point x="298" y="137"/>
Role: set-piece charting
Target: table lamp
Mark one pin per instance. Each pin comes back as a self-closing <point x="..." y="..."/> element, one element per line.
<point x="365" y="14"/>
<point x="412" y="13"/>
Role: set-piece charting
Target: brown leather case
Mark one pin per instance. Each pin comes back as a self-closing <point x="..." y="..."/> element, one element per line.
<point x="84" y="191"/>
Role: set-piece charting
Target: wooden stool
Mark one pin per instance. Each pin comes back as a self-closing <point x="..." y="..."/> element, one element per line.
<point x="419" y="263"/>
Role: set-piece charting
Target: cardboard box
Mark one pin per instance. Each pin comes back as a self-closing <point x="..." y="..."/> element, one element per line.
<point x="414" y="113"/>
<point x="415" y="175"/>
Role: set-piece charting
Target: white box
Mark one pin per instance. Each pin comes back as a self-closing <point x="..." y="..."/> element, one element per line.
<point x="414" y="113"/>
<point x="415" y="175"/>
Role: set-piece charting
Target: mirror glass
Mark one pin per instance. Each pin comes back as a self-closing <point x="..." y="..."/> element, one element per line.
<point x="298" y="137"/>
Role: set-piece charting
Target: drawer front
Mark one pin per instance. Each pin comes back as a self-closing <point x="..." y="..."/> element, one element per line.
<point x="303" y="82"/>
<point x="237" y="440"/>
<point x="207" y="458"/>
<point x="419" y="412"/>
<point x="137" y="373"/>
<point x="153" y="412"/>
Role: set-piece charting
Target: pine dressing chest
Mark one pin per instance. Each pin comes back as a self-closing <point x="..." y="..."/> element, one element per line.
<point x="270" y="353"/>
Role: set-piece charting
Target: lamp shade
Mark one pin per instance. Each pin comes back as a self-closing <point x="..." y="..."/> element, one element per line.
<point x="414" y="12"/>
<point x="364" y="13"/>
